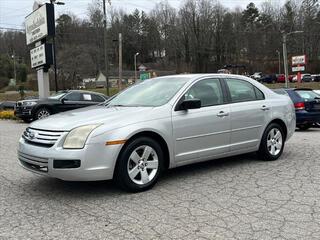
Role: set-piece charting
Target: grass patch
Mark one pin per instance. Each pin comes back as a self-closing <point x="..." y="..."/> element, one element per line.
<point x="312" y="85"/>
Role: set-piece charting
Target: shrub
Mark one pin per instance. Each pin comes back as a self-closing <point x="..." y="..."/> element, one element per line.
<point x="7" y="115"/>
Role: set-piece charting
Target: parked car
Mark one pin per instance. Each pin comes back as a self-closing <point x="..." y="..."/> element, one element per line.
<point x="281" y="78"/>
<point x="34" y="109"/>
<point x="268" y="79"/>
<point x="157" y="124"/>
<point x="257" y="75"/>
<point x="316" y="78"/>
<point x="307" y="105"/>
<point x="7" y="105"/>
<point x="304" y="78"/>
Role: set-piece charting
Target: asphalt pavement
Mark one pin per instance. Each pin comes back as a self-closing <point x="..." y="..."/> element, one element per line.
<point x="234" y="198"/>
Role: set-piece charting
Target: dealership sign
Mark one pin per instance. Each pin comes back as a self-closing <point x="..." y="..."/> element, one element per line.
<point x="299" y="60"/>
<point x="41" y="55"/>
<point x="40" y="24"/>
<point x="298" y="69"/>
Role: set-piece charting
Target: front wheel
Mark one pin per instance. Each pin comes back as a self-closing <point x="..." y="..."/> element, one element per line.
<point x="139" y="165"/>
<point x="272" y="143"/>
<point x="42" y="113"/>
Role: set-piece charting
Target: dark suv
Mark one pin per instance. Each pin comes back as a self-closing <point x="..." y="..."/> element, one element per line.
<point x="34" y="109"/>
<point x="307" y="105"/>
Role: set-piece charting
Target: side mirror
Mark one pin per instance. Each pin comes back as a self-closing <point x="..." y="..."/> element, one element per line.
<point x="190" y="104"/>
<point x="63" y="101"/>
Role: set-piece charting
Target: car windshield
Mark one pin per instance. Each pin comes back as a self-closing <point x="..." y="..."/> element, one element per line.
<point x="150" y="93"/>
<point x="307" y="94"/>
<point x="57" y="95"/>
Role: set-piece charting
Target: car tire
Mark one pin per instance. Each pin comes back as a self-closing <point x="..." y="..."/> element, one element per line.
<point x="139" y="165"/>
<point x="304" y="127"/>
<point x="26" y="120"/>
<point x="272" y="143"/>
<point x="41" y="113"/>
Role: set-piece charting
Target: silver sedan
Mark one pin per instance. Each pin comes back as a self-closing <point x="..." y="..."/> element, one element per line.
<point x="158" y="124"/>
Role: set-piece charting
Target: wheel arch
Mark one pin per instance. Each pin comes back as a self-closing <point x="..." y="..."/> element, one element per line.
<point x="153" y="135"/>
<point x="282" y="124"/>
<point x="34" y="110"/>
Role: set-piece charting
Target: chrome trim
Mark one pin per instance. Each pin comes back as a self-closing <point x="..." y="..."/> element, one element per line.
<point x="246" y="128"/>
<point x="202" y="135"/>
<point x="42" y="136"/>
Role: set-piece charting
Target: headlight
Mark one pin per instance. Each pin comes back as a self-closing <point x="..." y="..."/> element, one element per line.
<point x="77" y="138"/>
<point x="29" y="103"/>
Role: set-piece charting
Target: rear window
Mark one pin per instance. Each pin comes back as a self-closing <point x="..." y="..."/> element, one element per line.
<point x="280" y="91"/>
<point x="307" y="94"/>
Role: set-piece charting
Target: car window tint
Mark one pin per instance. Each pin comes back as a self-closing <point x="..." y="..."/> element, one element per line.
<point x="208" y="91"/>
<point x="259" y="94"/>
<point x="75" y="96"/>
<point x="241" y="91"/>
<point x="307" y="94"/>
<point x="97" y="98"/>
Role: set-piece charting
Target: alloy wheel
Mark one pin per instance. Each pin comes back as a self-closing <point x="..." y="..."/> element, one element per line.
<point x="274" y="141"/>
<point x="143" y="165"/>
<point x="43" y="114"/>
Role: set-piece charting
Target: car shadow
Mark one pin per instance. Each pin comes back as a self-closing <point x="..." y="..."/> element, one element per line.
<point x="110" y="189"/>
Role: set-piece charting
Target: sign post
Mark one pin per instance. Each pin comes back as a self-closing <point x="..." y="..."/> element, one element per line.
<point x="298" y="65"/>
<point x="39" y="26"/>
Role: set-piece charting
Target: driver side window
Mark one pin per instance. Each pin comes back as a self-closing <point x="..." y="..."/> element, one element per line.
<point x="75" y="96"/>
<point x="208" y="91"/>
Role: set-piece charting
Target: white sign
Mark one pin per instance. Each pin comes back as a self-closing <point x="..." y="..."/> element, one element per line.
<point x="38" y="56"/>
<point x="298" y="69"/>
<point x="36" y="25"/>
<point x="299" y="60"/>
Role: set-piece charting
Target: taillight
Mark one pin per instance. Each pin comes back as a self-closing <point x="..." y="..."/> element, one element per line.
<point x="299" y="106"/>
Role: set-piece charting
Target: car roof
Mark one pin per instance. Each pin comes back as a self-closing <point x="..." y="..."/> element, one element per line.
<point x="82" y="91"/>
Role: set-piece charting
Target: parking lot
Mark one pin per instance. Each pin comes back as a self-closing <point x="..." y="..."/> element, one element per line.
<point x="234" y="198"/>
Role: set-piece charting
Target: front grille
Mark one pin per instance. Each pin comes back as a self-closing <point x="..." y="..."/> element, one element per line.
<point x="33" y="162"/>
<point x="42" y="138"/>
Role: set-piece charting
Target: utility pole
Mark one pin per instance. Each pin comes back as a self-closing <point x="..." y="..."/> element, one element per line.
<point x="285" y="60"/>
<point x="279" y="59"/>
<point x="285" y="56"/>
<point x="14" y="67"/>
<point x="105" y="45"/>
<point x="120" y="62"/>
<point x="54" y="48"/>
<point x="135" y="66"/>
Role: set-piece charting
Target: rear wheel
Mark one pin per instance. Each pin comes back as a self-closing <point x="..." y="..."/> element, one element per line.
<point x="42" y="113"/>
<point x="139" y="165"/>
<point x="272" y="143"/>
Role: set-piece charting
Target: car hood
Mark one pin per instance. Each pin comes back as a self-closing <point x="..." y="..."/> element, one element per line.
<point x="114" y="117"/>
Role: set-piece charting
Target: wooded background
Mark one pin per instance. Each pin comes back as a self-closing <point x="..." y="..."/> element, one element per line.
<point x="200" y="36"/>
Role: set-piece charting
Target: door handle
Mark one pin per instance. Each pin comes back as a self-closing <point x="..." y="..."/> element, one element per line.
<point x="222" y="114"/>
<point x="265" y="108"/>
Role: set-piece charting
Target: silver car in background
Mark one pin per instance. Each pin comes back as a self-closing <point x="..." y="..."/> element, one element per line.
<point x="160" y="123"/>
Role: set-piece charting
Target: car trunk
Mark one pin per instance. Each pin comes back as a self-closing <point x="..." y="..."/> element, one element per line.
<point x="312" y="105"/>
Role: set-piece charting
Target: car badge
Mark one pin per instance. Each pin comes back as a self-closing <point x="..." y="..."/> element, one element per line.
<point x="32" y="135"/>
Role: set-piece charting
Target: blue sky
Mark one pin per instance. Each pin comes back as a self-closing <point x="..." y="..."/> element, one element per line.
<point x="13" y="12"/>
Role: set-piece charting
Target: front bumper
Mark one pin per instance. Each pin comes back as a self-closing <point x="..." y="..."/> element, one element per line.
<point x="97" y="161"/>
<point x="304" y="117"/>
<point x="23" y="112"/>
